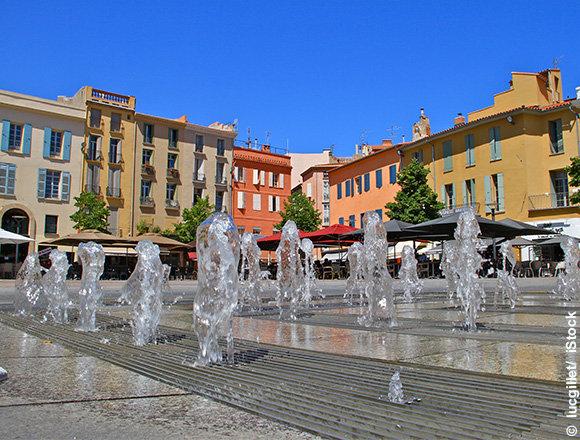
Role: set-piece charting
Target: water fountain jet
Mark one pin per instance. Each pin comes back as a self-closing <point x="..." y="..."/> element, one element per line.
<point x="309" y="287"/>
<point x="507" y="289"/>
<point x="92" y="258"/>
<point x="28" y="285"/>
<point x="251" y="276"/>
<point x="355" y="282"/>
<point x="412" y="285"/>
<point x="568" y="284"/>
<point x="290" y="274"/>
<point x="54" y="286"/>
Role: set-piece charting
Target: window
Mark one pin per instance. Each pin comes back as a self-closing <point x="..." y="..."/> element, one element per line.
<point x="380" y="213"/>
<point x="115" y="151"/>
<point x="347" y="188"/>
<point x="494" y="193"/>
<point x="367" y="182"/>
<point x="447" y="156"/>
<point x="379" y="178"/>
<point x="326" y="214"/>
<point x="469" y="152"/>
<point x="148" y="133"/>
<point x="494" y="143"/>
<point x="172" y="135"/>
<point x="351" y="220"/>
<point x="55" y="143"/>
<point x="241" y="200"/>
<point x="93" y="152"/>
<point x="170" y="191"/>
<point x="309" y="189"/>
<point x="50" y="224"/>
<point x="273" y="203"/>
<point x="257" y="202"/>
<point x="171" y="161"/>
<point x="352" y="187"/>
<point x="341" y="220"/>
<point x="95" y="118"/>
<point x="52" y="184"/>
<point x="146" y="156"/>
<point x="256" y="231"/>
<point x="469" y="192"/>
<point x="556" y="140"/>
<point x="560" y="190"/>
<point x="197" y="194"/>
<point x="393" y="174"/>
<point x="7" y="178"/>
<point x="198" y="169"/>
<point x="93" y="179"/>
<point x="239" y="174"/>
<point x="339" y="190"/>
<point x="219" y="200"/>
<point x="359" y="184"/>
<point x="275" y="180"/>
<point x="221" y="147"/>
<point x="199" y="142"/>
<point x="114" y="183"/>
<point x="145" y="188"/>
<point x="448" y="196"/>
<point x="116" y="122"/>
<point x="15" y="137"/>
<point x="418" y="156"/>
<point x="219" y="173"/>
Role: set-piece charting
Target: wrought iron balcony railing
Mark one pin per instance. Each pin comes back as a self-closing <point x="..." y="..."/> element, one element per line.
<point x="171" y="204"/>
<point x="549" y="201"/>
<point x="198" y="177"/>
<point x="113" y="192"/>
<point x="147" y="201"/>
<point x="93" y="188"/>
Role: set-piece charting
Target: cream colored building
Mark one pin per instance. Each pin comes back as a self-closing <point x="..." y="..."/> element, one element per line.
<point x="40" y="167"/>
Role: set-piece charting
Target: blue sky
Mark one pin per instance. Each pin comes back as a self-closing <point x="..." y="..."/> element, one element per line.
<point x="311" y="73"/>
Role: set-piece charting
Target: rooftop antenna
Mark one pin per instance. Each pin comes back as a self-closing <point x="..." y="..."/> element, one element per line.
<point x="256" y="143"/>
<point x="363" y="136"/>
<point x="249" y="141"/>
<point x="287" y="145"/>
<point x="392" y="130"/>
<point x="403" y="137"/>
<point x="556" y="62"/>
<point x="268" y="138"/>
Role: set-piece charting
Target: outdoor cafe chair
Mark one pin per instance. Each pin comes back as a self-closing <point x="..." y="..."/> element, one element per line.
<point x="536" y="267"/>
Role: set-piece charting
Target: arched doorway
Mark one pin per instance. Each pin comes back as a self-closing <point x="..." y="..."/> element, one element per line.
<point x="17" y="221"/>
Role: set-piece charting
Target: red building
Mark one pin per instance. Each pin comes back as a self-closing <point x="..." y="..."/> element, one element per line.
<point x="260" y="186"/>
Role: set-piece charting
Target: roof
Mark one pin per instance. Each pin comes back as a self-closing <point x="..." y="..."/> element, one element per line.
<point x="321" y="167"/>
<point x="523" y="108"/>
<point x="370" y="155"/>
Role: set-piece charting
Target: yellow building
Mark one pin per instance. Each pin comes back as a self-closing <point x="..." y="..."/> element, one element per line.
<point x="508" y="159"/>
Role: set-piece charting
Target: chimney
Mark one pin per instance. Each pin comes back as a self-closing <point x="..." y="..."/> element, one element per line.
<point x="578" y="92"/>
<point x="459" y="119"/>
<point x="387" y="143"/>
<point x="266" y="148"/>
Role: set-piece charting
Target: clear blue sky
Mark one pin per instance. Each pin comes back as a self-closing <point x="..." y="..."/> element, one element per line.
<point x="315" y="73"/>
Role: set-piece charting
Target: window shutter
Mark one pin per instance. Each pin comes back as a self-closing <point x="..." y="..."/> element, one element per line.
<point x="379" y="178"/>
<point x="309" y="189"/>
<point x="281" y="181"/>
<point x="559" y="139"/>
<point x="500" y="193"/>
<point x="487" y="189"/>
<point x="469" y="158"/>
<point x="453" y="196"/>
<point x="341" y="220"/>
<point x="235" y="173"/>
<point x="117" y="179"/>
<point x="262" y="178"/>
<point x="257" y="202"/>
<point x="277" y="203"/>
<point x="352" y="187"/>
<point x="465" y="198"/>
<point x="241" y="204"/>
<point x="443" y="195"/>
<point x="339" y="190"/>
<point x="66" y="145"/>
<point x="497" y="137"/>
<point x="65" y="186"/>
<point x="46" y="147"/>
<point x="100" y="145"/>
<point x="5" y="134"/>
<point x="27" y="139"/>
<point x="256" y="178"/>
<point x="10" y="179"/>
<point x="367" y="182"/>
<point x="447" y="156"/>
<point x="120" y="149"/>
<point x="41" y="182"/>
<point x="270" y="203"/>
<point x="473" y="195"/>
<point x="270" y="179"/>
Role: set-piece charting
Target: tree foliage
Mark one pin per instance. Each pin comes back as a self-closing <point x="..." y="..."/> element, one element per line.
<point x="145" y="227"/>
<point x="301" y="210"/>
<point x="573" y="171"/>
<point x="415" y="202"/>
<point x="91" y="213"/>
<point x="186" y="230"/>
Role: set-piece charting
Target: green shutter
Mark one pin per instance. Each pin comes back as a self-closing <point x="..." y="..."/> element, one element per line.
<point x="453" y="196"/>
<point x="65" y="186"/>
<point x="46" y="146"/>
<point x="27" y="140"/>
<point x="447" y="156"/>
<point x="469" y="153"/>
<point x="443" y="196"/>
<point x="559" y="138"/>
<point x="497" y="143"/>
<point x="66" y="145"/>
<point x="487" y="189"/>
<point x="5" y="134"/>
<point x="473" y="195"/>
<point x="465" y="198"/>
<point x="500" y="193"/>
<point x="41" y="182"/>
<point x="494" y="143"/>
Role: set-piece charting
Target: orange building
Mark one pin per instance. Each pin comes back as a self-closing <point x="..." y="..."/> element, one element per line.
<point x="315" y="186"/>
<point x="365" y="184"/>
<point x="260" y="186"/>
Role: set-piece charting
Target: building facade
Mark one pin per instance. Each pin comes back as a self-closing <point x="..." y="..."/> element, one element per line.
<point x="365" y="184"/>
<point x="41" y="148"/>
<point x="261" y="185"/>
<point x="316" y="186"/>
<point x="508" y="160"/>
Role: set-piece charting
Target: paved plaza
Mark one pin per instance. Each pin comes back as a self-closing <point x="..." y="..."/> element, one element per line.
<point x="58" y="392"/>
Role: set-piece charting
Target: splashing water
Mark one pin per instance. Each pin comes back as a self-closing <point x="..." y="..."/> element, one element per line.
<point x="568" y="284"/>
<point x="54" y="286"/>
<point x="378" y="284"/>
<point x="218" y="250"/>
<point x="507" y="289"/>
<point x="396" y="394"/>
<point x="28" y="285"/>
<point x="408" y="274"/>
<point x="165" y="287"/>
<point x="469" y="288"/>
<point x="251" y="276"/>
<point x="354" y="283"/>
<point x="143" y="290"/>
<point x="309" y="287"/>
<point x="92" y="258"/>
<point x="448" y="265"/>
<point x="290" y="275"/>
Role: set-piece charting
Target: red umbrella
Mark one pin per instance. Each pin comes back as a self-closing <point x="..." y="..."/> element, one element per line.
<point x="328" y="236"/>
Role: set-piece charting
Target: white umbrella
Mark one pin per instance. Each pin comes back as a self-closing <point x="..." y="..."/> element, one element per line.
<point x="7" y="237"/>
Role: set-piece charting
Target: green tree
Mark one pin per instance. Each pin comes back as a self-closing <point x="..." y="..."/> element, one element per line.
<point x="192" y="217"/>
<point x="415" y="202"/>
<point x="92" y="212"/>
<point x="573" y="171"/>
<point x="301" y="210"/>
<point x="144" y="227"/>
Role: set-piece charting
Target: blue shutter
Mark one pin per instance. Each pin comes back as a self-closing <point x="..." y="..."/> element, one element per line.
<point x="352" y="187"/>
<point x="559" y="138"/>
<point x="393" y="174"/>
<point x="380" y="213"/>
<point x="65" y="186"/>
<point x="10" y="179"/>
<point x="341" y="220"/>
<point x="66" y="146"/>
<point x="379" y="178"/>
<point x="500" y="193"/>
<point x="339" y="190"/>
<point x="5" y="134"/>
<point x="359" y="184"/>
<point x="487" y="189"/>
<point x="46" y="147"/>
<point x="27" y="139"/>
<point x="367" y="182"/>
<point x="347" y="188"/>
<point x="41" y="182"/>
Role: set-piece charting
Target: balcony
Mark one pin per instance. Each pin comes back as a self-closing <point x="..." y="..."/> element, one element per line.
<point x="540" y="202"/>
<point x="198" y="177"/>
<point x="221" y="180"/>
<point x="114" y="192"/>
<point x="93" y="188"/>
<point x="115" y="159"/>
<point x="97" y="125"/>
<point x="171" y="204"/>
<point x="147" y="202"/>
<point x="460" y="208"/>
<point x="112" y="98"/>
<point x="117" y="130"/>
<point x="173" y="173"/>
<point x="92" y="155"/>
<point x="148" y="169"/>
